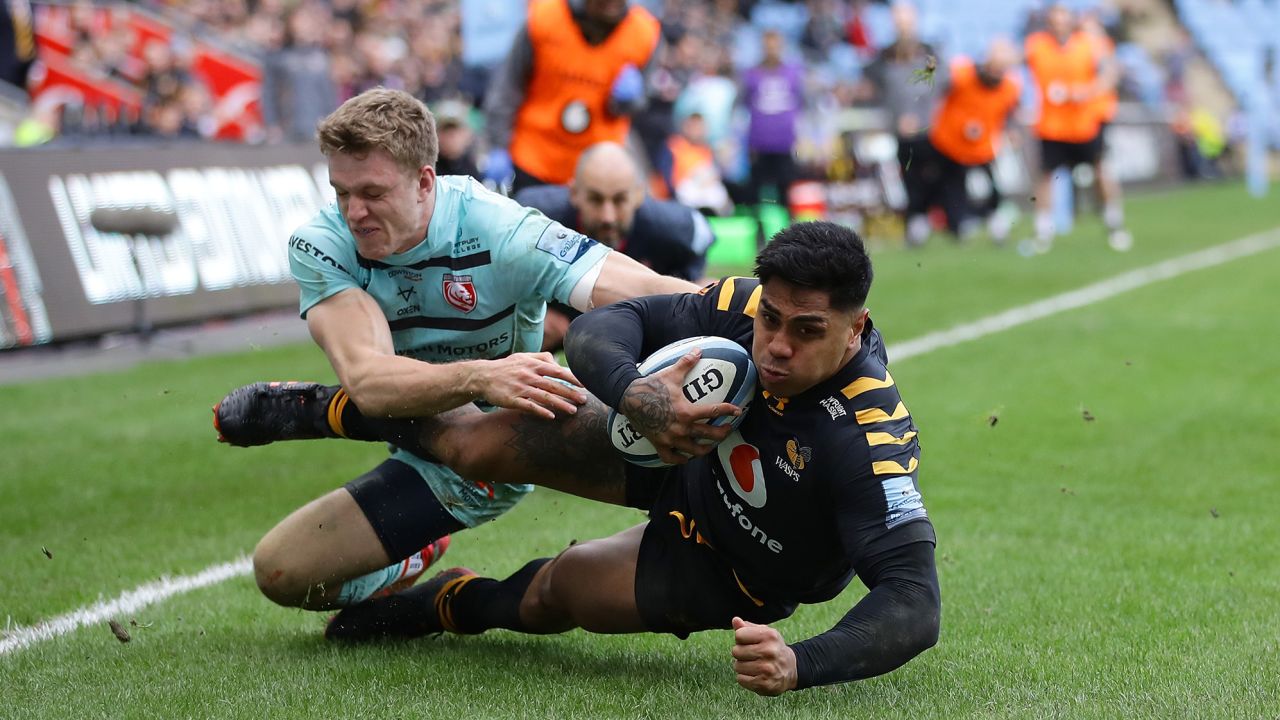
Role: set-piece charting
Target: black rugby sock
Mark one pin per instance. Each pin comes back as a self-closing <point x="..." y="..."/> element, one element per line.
<point x="485" y="603"/>
<point x="346" y="420"/>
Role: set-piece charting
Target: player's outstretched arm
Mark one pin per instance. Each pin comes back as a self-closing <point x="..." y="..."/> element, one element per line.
<point x="354" y="334"/>
<point x="893" y="623"/>
<point x="622" y="277"/>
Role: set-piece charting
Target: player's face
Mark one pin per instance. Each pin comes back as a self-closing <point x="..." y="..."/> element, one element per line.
<point x="1060" y="21"/>
<point x="773" y="46"/>
<point x="606" y="200"/>
<point x="608" y="11"/>
<point x="800" y="340"/>
<point x="386" y="207"/>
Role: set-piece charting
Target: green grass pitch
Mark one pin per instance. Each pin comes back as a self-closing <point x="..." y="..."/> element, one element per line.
<point x="1104" y="484"/>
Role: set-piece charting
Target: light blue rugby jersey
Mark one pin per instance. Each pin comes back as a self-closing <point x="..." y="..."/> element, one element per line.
<point x="476" y="288"/>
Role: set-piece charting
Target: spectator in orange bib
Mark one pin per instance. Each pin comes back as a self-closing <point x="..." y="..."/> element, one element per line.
<point x="575" y="75"/>
<point x="894" y="80"/>
<point x="968" y="127"/>
<point x="1074" y="75"/>
<point x="689" y="167"/>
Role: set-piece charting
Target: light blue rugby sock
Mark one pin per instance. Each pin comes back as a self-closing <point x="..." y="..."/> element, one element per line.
<point x="363" y="587"/>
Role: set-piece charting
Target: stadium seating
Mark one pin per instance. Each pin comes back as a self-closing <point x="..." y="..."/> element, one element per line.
<point x="1235" y="37"/>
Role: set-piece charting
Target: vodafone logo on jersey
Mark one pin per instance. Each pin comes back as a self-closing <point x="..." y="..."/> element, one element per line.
<point x="741" y="463"/>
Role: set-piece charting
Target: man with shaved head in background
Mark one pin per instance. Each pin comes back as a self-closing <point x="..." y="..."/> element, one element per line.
<point x="606" y="201"/>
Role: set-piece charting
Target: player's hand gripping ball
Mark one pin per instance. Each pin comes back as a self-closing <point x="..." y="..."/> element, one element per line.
<point x="724" y="373"/>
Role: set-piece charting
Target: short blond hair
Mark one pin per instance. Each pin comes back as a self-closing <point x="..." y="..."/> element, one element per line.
<point x="392" y="120"/>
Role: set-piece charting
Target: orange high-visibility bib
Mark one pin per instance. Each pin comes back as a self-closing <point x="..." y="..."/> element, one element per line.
<point x="565" y="106"/>
<point x="687" y="159"/>
<point x="969" y="123"/>
<point x="1061" y="69"/>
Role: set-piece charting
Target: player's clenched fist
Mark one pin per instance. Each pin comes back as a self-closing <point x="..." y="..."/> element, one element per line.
<point x="762" y="660"/>
<point x="529" y="382"/>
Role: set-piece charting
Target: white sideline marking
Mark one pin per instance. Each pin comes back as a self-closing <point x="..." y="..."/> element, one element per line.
<point x="127" y="603"/>
<point x="154" y="592"/>
<point x="1087" y="295"/>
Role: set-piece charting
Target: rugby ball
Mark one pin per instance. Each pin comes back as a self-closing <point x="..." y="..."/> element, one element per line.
<point x="724" y="373"/>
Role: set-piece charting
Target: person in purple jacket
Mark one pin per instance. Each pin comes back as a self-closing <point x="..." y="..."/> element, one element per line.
<point x="774" y="95"/>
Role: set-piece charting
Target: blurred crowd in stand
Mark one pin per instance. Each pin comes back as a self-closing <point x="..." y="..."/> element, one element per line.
<point x="740" y="99"/>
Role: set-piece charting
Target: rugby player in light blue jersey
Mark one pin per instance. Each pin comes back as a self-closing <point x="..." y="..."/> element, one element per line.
<point x="427" y="294"/>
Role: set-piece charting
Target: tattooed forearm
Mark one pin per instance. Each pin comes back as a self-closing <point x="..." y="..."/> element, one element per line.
<point x="647" y="405"/>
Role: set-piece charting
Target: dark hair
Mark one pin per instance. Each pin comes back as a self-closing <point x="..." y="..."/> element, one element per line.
<point x="820" y="255"/>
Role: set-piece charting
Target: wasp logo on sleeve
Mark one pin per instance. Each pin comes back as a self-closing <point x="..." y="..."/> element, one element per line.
<point x="740" y="461"/>
<point x="460" y="292"/>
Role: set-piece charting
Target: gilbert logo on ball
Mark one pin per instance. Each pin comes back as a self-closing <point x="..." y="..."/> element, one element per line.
<point x="724" y="373"/>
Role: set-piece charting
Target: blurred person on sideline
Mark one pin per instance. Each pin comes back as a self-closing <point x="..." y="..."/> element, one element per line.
<point x="1073" y="76"/>
<point x="166" y="71"/>
<point x="1108" y="98"/>
<point x="298" y="89"/>
<point x="606" y="201"/>
<point x="457" y="141"/>
<point x="676" y="66"/>
<point x="712" y="92"/>
<point x="901" y="79"/>
<point x="426" y="293"/>
<point x="576" y="73"/>
<point x="690" y="169"/>
<point x="17" y="42"/>
<point x="773" y="94"/>
<point x="966" y="131"/>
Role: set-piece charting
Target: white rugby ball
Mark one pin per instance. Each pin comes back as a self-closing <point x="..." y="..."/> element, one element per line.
<point x="724" y="373"/>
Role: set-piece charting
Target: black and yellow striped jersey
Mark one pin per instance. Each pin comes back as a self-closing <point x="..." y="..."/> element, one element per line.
<point x="807" y="487"/>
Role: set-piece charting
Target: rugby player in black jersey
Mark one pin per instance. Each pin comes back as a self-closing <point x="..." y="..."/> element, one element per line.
<point x="817" y="484"/>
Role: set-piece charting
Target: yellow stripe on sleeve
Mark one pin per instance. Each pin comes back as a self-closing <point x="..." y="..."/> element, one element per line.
<point x="726" y="294"/>
<point x="753" y="302"/>
<point x="879" y="438"/>
<point x="889" y="467"/>
<point x="871" y="416"/>
<point x="864" y="384"/>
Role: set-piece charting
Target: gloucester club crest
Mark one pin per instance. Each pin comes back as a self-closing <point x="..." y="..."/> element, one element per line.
<point x="460" y="292"/>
